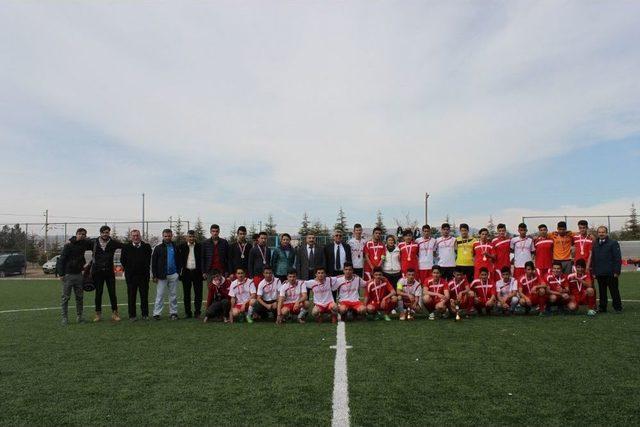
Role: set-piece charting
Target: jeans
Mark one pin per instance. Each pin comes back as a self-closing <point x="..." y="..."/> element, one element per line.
<point x="170" y="284"/>
<point x="72" y="281"/>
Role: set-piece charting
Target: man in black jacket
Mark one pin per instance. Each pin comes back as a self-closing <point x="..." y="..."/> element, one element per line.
<point x="104" y="247"/>
<point x="239" y="251"/>
<point x="606" y="263"/>
<point x="215" y="254"/>
<point x="136" y="261"/>
<point x="190" y="259"/>
<point x="69" y="267"/>
<point x="336" y="254"/>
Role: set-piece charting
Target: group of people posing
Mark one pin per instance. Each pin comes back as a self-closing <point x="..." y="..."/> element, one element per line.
<point x="443" y="276"/>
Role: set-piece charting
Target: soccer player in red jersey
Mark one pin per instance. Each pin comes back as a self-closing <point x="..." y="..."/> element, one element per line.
<point x="435" y="293"/>
<point x="323" y="303"/>
<point x="581" y="289"/>
<point x="502" y="249"/>
<point x="483" y="254"/>
<point x="243" y="296"/>
<point x="544" y="252"/>
<point x="409" y="293"/>
<point x="292" y="298"/>
<point x="582" y="244"/>
<point x="374" y="250"/>
<point x="379" y="295"/>
<point x="460" y="295"/>
<point x="507" y="291"/>
<point x="532" y="290"/>
<point x="484" y="292"/>
<point x="558" y="286"/>
<point x="347" y="288"/>
<point x="408" y="252"/>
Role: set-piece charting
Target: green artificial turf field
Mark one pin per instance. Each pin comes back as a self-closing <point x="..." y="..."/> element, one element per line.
<point x="517" y="370"/>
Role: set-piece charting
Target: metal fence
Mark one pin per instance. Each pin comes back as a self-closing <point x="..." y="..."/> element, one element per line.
<point x="613" y="222"/>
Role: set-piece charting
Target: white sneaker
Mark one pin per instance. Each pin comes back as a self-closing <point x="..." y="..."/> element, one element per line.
<point x="432" y="316"/>
<point x="591" y="312"/>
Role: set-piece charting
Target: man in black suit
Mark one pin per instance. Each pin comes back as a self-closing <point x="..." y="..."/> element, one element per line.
<point x="308" y="257"/>
<point x="336" y="254"/>
<point x="190" y="267"/>
<point x="136" y="262"/>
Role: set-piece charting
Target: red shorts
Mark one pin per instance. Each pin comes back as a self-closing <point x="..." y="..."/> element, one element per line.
<point x="352" y="305"/>
<point x="518" y="272"/>
<point x="387" y="305"/>
<point x="289" y="306"/>
<point x="407" y="302"/>
<point x="325" y="308"/>
<point x="580" y="298"/>
<point x="543" y="272"/>
<point x="424" y="275"/>
<point x="242" y="307"/>
<point x="433" y="301"/>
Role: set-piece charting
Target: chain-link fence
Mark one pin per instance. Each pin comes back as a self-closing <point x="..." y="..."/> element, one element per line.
<point x="612" y="222"/>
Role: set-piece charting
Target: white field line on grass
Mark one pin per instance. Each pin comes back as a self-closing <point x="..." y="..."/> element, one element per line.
<point x="72" y="306"/>
<point x="340" y="416"/>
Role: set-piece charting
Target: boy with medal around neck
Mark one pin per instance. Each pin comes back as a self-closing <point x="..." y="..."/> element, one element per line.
<point x="374" y="250"/>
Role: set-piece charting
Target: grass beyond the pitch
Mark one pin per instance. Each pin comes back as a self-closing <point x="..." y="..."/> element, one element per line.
<point x="185" y="372"/>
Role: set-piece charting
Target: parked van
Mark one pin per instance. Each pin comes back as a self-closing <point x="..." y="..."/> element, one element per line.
<point x="11" y="264"/>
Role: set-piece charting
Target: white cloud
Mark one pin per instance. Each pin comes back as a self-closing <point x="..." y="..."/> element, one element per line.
<point x="335" y="100"/>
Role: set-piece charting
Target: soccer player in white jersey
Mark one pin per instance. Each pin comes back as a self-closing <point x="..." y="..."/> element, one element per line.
<point x="409" y="294"/>
<point x="292" y="298"/>
<point x="357" y="250"/>
<point x="523" y="249"/>
<point x="323" y="303"/>
<point x="507" y="291"/>
<point x="347" y="288"/>
<point x="426" y="249"/>
<point x="446" y="252"/>
<point x="267" y="294"/>
<point x="243" y="295"/>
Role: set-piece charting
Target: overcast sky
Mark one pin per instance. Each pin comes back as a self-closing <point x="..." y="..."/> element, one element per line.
<point x="233" y="110"/>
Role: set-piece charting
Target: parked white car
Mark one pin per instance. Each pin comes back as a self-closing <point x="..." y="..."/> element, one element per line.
<point x="49" y="267"/>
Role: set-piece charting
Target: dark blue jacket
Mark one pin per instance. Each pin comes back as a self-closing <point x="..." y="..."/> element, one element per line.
<point x="207" y="254"/>
<point x="606" y="259"/>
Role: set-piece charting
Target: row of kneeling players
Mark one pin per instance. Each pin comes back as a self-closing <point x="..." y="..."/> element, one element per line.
<point x="348" y="296"/>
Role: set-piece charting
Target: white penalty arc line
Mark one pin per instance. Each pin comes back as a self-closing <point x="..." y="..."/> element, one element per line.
<point x="71" y="306"/>
<point x="340" y="416"/>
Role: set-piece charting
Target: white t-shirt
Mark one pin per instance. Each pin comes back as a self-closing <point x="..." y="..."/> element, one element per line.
<point x="292" y="293"/>
<point x="242" y="290"/>
<point x="522" y="250"/>
<point x="414" y="288"/>
<point x="445" y="246"/>
<point x="321" y="291"/>
<point x="269" y="291"/>
<point x="426" y="247"/>
<point x="348" y="290"/>
<point x="357" y="255"/>
<point x="503" y="289"/>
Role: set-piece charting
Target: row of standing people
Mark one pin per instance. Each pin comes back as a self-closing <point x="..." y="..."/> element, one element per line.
<point x="192" y="262"/>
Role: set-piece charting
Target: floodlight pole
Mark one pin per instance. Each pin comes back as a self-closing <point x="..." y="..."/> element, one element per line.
<point x="426" y="208"/>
